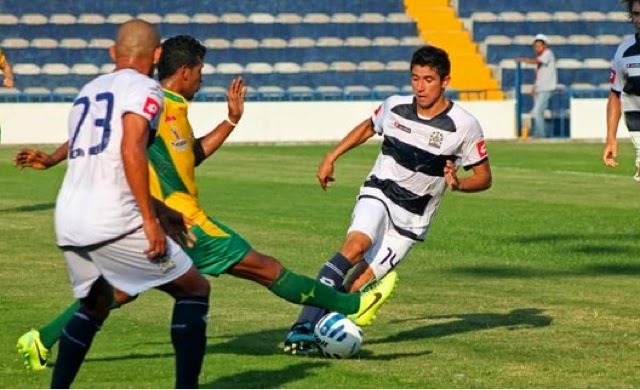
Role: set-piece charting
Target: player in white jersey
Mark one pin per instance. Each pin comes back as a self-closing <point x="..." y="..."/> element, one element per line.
<point x="105" y="221"/>
<point x="425" y="138"/>
<point x="625" y="92"/>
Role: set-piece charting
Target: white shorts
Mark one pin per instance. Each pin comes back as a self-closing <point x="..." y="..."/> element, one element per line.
<point x="124" y="265"/>
<point x="388" y="247"/>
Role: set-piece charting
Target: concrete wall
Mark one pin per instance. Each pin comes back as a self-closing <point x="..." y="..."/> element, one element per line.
<point x="46" y="123"/>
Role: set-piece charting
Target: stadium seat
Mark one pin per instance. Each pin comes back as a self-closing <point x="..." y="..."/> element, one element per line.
<point x="329" y="92"/>
<point x="101" y="43"/>
<point x="288" y="18"/>
<point x="301" y="42"/>
<point x="538" y="16"/>
<point x="86" y="69"/>
<point x="329" y="42"/>
<point x="617" y="16"/>
<point x="66" y="90"/>
<point x="233" y="18"/>
<point x="511" y="16"/>
<point x="90" y="18"/>
<point x="343" y="66"/>
<point x="150" y="17"/>
<point x="344" y="18"/>
<point x="300" y="92"/>
<point x="398" y="17"/>
<point x="608" y="39"/>
<point x="261" y="18"/>
<point x="565" y="16"/>
<point x="357" y="92"/>
<point x="316" y="18"/>
<point x="357" y="41"/>
<point x="176" y="18"/>
<point x="371" y="66"/>
<point x="229" y="68"/>
<point x="120" y="18"/>
<point x="498" y="40"/>
<point x="245" y="43"/>
<point x="484" y="16"/>
<point x="36" y="91"/>
<point x="204" y="18"/>
<point x="15" y="43"/>
<point x="208" y="69"/>
<point x="258" y="68"/>
<point x="593" y="16"/>
<point x="271" y="92"/>
<point x="596" y="63"/>
<point x="398" y="66"/>
<point x="385" y="41"/>
<point x="411" y="41"/>
<point x="371" y="17"/>
<point x="580" y="39"/>
<point x="73" y="43"/>
<point x="26" y="69"/>
<point x="55" y="69"/>
<point x="384" y="91"/>
<point x="107" y="68"/>
<point x="286" y="67"/>
<point x="315" y="67"/>
<point x="273" y="43"/>
<point x="8" y="19"/>
<point x="33" y="19"/>
<point x="43" y="43"/>
<point x="216" y="43"/>
<point x="62" y="19"/>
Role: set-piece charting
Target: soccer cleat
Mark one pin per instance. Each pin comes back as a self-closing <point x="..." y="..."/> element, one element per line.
<point x="373" y="298"/>
<point x="300" y="340"/>
<point x="33" y="352"/>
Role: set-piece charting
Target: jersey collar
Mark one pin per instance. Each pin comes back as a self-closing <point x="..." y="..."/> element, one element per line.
<point x="176" y="97"/>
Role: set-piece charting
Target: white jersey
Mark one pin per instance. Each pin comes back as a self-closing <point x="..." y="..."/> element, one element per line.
<point x="95" y="203"/>
<point x="625" y="79"/>
<point x="408" y="175"/>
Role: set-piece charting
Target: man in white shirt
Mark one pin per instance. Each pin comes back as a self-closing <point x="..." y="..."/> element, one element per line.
<point x="546" y="81"/>
<point x="105" y="221"/>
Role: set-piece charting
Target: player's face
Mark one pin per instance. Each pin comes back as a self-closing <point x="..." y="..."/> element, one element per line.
<point x="427" y="86"/>
<point x="193" y="81"/>
<point x="635" y="15"/>
<point x="538" y="47"/>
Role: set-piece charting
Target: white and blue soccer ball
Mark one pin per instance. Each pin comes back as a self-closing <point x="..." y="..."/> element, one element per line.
<point x="337" y="336"/>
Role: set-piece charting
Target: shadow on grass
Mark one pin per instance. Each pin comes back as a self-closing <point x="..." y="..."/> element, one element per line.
<point x="464" y="323"/>
<point x="266" y="379"/>
<point x="498" y="271"/>
<point x="29" y="208"/>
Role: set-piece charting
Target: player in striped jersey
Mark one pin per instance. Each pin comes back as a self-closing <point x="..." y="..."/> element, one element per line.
<point x="426" y="137"/>
<point x="173" y="156"/>
<point x="624" y="97"/>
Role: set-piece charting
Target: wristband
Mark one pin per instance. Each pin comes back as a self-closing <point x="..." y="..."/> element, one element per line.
<point x="231" y="122"/>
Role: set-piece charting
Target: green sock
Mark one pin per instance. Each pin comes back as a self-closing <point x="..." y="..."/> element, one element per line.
<point x="50" y="332"/>
<point x="304" y="290"/>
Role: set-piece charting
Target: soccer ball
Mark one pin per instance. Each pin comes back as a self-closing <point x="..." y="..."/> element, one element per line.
<point x="337" y="336"/>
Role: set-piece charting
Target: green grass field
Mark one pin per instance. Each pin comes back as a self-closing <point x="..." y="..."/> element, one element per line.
<point x="532" y="284"/>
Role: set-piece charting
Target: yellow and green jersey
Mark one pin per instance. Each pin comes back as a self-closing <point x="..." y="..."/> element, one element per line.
<point x="3" y="59"/>
<point x="172" y="159"/>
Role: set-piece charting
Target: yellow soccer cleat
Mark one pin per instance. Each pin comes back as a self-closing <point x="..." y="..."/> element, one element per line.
<point x="373" y="298"/>
<point x="32" y="351"/>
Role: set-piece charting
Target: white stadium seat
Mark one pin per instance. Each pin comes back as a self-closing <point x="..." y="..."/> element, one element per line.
<point x="273" y="43"/>
<point x="55" y="69"/>
<point x="73" y="43"/>
<point x="315" y="67"/>
<point x="229" y="68"/>
<point x="258" y="68"/>
<point x="286" y="67"/>
<point x="216" y="43"/>
<point x="357" y="41"/>
<point x="118" y="18"/>
<point x="8" y="19"/>
<point x="150" y="17"/>
<point x="301" y="42"/>
<point x="329" y="42"/>
<point x="33" y="19"/>
<point x="371" y="17"/>
<point x="26" y="69"/>
<point x="176" y="18"/>
<point x="84" y="69"/>
<point x="245" y="43"/>
<point x="101" y="43"/>
<point x="343" y="66"/>
<point x="288" y="18"/>
<point x="233" y="18"/>
<point x="261" y="18"/>
<point x="371" y="66"/>
<point x="343" y="18"/>
<point x="15" y="43"/>
<point x="62" y="19"/>
<point x="90" y="18"/>
<point x="385" y="41"/>
<point x="205" y="18"/>
<point x="44" y="43"/>
<point x="317" y="18"/>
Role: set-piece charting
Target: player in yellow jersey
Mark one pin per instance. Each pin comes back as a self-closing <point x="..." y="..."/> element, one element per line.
<point x="173" y="156"/>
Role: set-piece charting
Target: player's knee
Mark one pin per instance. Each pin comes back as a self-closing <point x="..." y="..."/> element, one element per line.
<point x="355" y="247"/>
<point x="121" y="298"/>
<point x="98" y="302"/>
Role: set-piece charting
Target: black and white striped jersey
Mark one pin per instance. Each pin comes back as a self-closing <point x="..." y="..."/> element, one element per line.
<point x="625" y="79"/>
<point x="408" y="175"/>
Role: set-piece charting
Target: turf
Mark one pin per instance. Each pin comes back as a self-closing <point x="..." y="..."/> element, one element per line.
<point x="532" y="284"/>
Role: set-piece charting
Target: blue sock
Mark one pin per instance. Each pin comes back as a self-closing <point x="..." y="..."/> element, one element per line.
<point x="75" y="342"/>
<point x="189" y="338"/>
<point x="331" y="274"/>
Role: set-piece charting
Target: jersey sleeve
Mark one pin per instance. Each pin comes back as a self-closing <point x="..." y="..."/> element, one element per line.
<point x="145" y="99"/>
<point x="473" y="150"/>
<point x="378" y="117"/>
<point x="615" y="75"/>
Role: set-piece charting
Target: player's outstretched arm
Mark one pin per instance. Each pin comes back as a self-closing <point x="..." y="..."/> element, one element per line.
<point x="357" y="136"/>
<point x="614" y="112"/>
<point x="37" y="159"/>
<point x="480" y="180"/>
<point x="206" y="145"/>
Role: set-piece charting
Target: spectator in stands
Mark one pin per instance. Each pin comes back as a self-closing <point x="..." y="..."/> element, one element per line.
<point x="625" y="92"/>
<point x="7" y="71"/>
<point x="546" y="82"/>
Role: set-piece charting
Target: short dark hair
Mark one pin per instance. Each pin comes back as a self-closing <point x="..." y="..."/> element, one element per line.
<point x="629" y="5"/>
<point x="181" y="50"/>
<point x="434" y="58"/>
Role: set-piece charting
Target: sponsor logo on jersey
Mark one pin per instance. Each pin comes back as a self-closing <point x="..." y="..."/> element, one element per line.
<point x="377" y="111"/>
<point x="435" y="139"/>
<point x="170" y="118"/>
<point x="151" y="106"/>
<point x="482" y="148"/>
<point x="178" y="143"/>
<point x="612" y="76"/>
<point x="402" y="127"/>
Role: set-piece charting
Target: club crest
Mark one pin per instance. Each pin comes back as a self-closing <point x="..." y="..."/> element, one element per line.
<point x="435" y="139"/>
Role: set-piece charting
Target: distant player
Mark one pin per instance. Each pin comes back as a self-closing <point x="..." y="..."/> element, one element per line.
<point x="105" y="221"/>
<point x="425" y="138"/>
<point x="173" y="157"/>
<point x="625" y="93"/>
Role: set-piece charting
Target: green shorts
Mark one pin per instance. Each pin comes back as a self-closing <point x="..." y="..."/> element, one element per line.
<point x="217" y="248"/>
